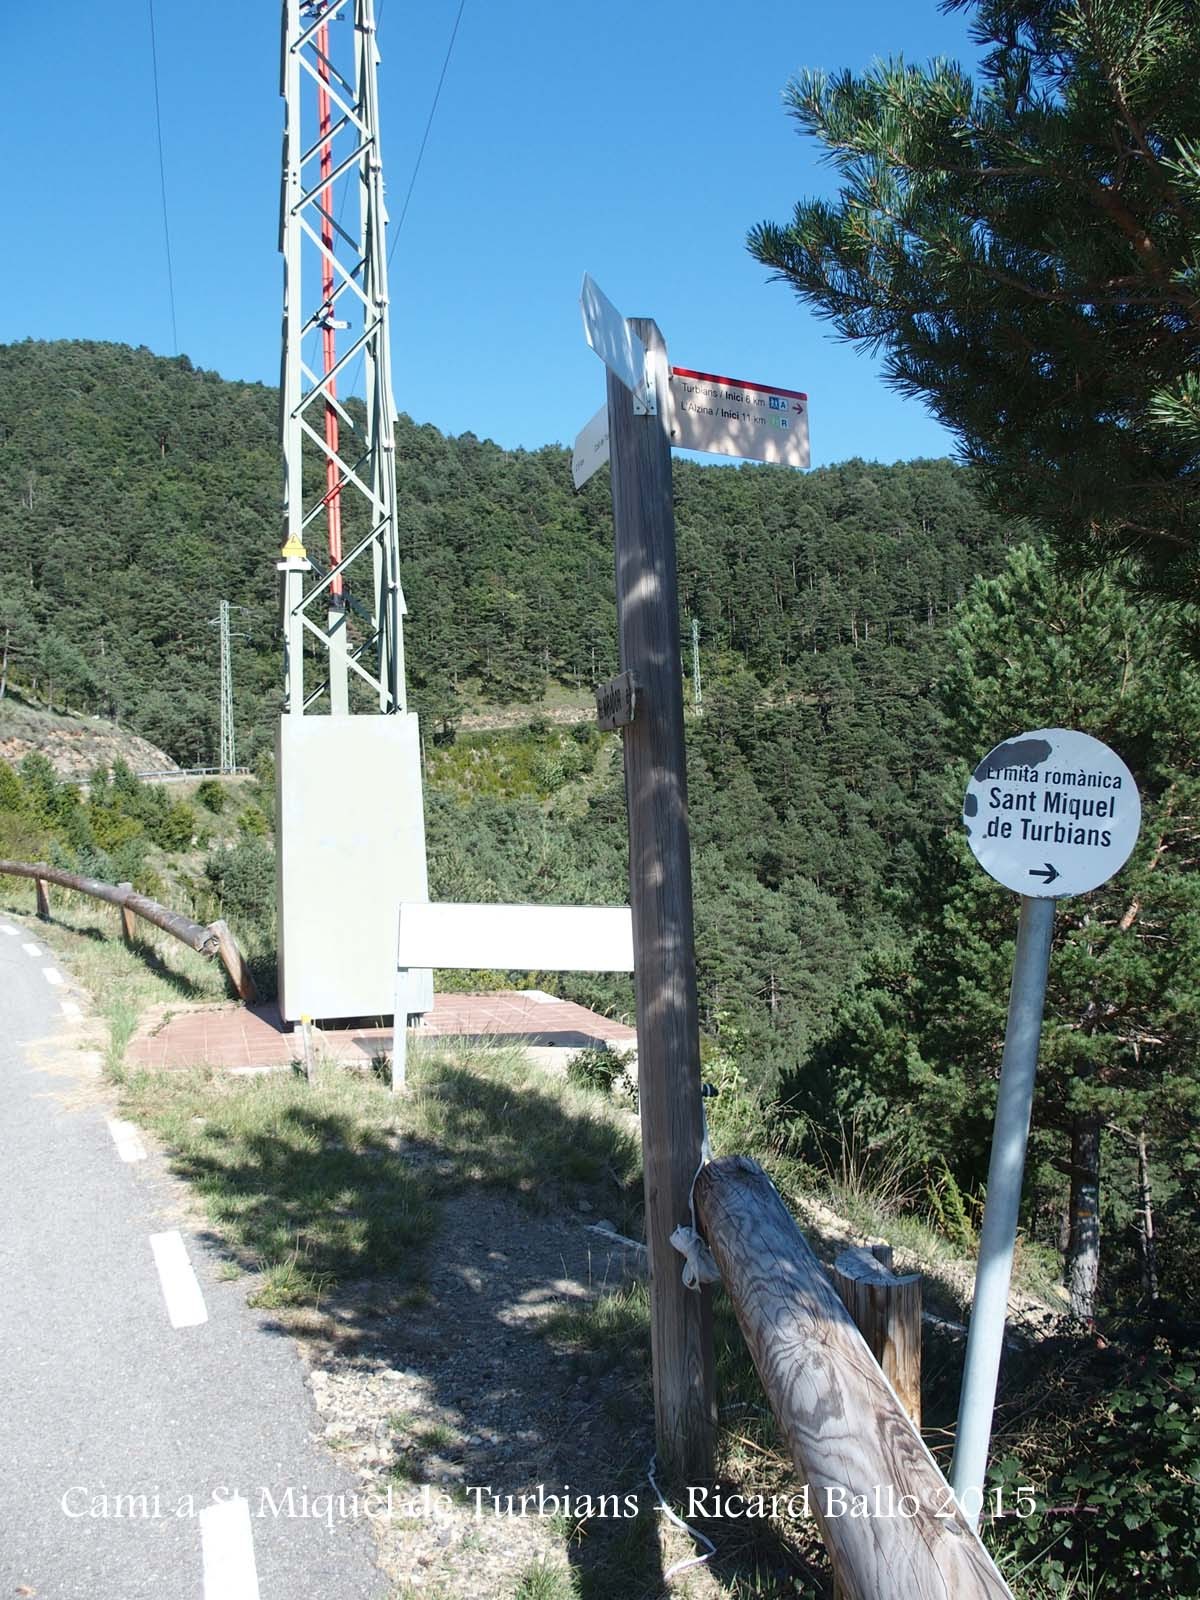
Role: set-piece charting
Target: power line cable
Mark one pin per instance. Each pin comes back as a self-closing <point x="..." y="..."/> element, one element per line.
<point x="162" y="178"/>
<point x="428" y="125"/>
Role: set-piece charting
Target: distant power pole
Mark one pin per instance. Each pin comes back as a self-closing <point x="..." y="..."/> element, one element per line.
<point x="228" y="759"/>
<point x="697" y="690"/>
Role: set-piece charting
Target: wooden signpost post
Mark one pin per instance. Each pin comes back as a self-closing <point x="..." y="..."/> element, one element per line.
<point x="635" y="432"/>
<point x="660" y="872"/>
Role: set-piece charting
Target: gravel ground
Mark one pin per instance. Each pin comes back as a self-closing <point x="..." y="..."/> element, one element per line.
<point x="460" y="1398"/>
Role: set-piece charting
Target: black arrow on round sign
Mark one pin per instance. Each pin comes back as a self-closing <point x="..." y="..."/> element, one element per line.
<point x="1049" y="874"/>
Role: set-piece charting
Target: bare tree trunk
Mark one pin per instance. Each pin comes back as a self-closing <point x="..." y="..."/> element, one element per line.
<point x="1149" y="1249"/>
<point x="1083" y="1250"/>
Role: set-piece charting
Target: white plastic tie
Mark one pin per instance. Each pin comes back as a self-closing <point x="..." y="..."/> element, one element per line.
<point x="692" y="1533"/>
<point x="700" y="1266"/>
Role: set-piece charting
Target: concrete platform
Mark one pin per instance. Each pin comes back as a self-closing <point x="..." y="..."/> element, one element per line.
<point x="244" y="1038"/>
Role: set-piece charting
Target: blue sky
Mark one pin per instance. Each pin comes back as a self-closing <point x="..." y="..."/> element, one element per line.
<point x="637" y="140"/>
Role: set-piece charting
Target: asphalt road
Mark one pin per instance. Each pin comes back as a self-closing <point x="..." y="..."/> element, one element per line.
<point x="139" y="1457"/>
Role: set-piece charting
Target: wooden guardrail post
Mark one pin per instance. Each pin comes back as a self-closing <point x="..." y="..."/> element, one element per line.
<point x="887" y="1312"/>
<point x="128" y="932"/>
<point x="212" y="940"/>
<point x="888" y="1517"/>
<point x="234" y="962"/>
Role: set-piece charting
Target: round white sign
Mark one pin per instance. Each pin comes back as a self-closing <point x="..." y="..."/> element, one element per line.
<point x="1052" y="813"/>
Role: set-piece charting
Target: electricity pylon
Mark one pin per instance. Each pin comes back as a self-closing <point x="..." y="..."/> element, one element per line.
<point x="350" y="829"/>
<point x="335" y="281"/>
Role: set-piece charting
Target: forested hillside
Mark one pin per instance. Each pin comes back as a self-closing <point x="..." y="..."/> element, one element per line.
<point x="137" y="492"/>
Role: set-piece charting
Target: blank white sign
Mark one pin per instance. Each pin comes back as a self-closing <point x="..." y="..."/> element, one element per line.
<point x="591" y="448"/>
<point x="521" y="938"/>
<point x="611" y="337"/>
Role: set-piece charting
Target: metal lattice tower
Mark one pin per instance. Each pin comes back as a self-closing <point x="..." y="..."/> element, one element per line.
<point x="332" y="236"/>
<point x="228" y="761"/>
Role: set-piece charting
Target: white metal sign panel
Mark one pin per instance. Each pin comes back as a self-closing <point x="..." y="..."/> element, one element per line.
<point x="345" y="860"/>
<point x="516" y="938"/>
<point x="1052" y="813"/>
<point x="591" y="448"/>
<point x="611" y="337"/>
<point x="734" y="417"/>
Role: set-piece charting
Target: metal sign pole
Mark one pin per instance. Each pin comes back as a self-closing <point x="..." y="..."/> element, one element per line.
<point x="1014" y="1104"/>
<point x="1060" y="807"/>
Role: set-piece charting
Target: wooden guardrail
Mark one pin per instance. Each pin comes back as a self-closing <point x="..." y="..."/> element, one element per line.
<point x="211" y="939"/>
<point x="887" y="1312"/>
<point x="888" y="1517"/>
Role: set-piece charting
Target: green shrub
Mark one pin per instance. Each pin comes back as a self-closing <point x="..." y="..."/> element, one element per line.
<point x="549" y="772"/>
<point x="12" y="795"/>
<point x="597" y="1068"/>
<point x="243" y="879"/>
<point x="954" y="1215"/>
<point x="177" y="826"/>
<point x="211" y="796"/>
<point x="44" y="796"/>
<point x="148" y="882"/>
<point x="127" y="864"/>
<point x="252" y="823"/>
<point x="1117" y="1483"/>
<point x="21" y="838"/>
<point x="111" y="826"/>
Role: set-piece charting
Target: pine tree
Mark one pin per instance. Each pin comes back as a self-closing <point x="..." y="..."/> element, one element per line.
<point x="1024" y="249"/>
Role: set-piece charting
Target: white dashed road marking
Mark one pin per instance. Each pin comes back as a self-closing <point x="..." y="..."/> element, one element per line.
<point x="11" y="932"/>
<point x="52" y="975"/>
<point x="227" y="1545"/>
<point x="32" y="949"/>
<point x="185" y="1303"/>
<point x="70" y="1009"/>
<point x="127" y="1140"/>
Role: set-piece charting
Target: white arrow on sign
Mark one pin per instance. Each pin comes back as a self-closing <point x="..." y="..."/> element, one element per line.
<point x="1052" y="813"/>
<point x="591" y="448"/>
<point x="611" y="337"/>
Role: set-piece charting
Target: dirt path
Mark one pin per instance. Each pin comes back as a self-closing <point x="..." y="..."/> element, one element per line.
<point x="461" y="1402"/>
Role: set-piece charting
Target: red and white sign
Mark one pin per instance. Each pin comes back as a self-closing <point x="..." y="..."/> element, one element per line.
<point x="734" y="417"/>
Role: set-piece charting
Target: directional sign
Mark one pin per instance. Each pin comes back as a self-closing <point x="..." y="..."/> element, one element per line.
<point x="616" y="701"/>
<point x="591" y="448"/>
<point x="734" y="417"/>
<point x="1052" y="813"/>
<point x="610" y="336"/>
